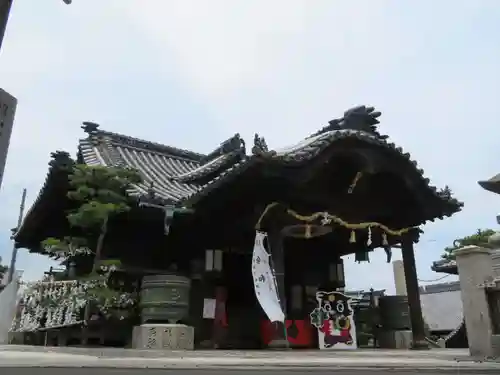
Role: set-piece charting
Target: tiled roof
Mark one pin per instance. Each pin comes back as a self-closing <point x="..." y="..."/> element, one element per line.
<point x="55" y="185"/>
<point x="445" y="266"/>
<point x="181" y="177"/>
<point x="450" y="265"/>
<point x="357" y="123"/>
<point x="311" y="147"/>
<point x="168" y="173"/>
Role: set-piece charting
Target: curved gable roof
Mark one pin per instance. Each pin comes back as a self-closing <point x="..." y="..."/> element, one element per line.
<point x="357" y="123"/>
<point x="169" y="173"/>
<point x="181" y="177"/>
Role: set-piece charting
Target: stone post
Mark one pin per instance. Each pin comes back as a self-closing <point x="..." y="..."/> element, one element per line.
<point x="474" y="268"/>
<point x="399" y="277"/>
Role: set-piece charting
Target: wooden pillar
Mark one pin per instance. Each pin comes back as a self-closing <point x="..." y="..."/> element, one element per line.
<point x="211" y="279"/>
<point x="206" y="331"/>
<point x="412" y="290"/>
<point x="275" y="241"/>
<point x="220" y="320"/>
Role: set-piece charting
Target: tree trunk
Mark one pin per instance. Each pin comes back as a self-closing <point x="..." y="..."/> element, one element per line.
<point x="97" y="258"/>
<point x="99" y="245"/>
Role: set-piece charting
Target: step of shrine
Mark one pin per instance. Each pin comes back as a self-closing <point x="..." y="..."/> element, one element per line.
<point x="37" y="356"/>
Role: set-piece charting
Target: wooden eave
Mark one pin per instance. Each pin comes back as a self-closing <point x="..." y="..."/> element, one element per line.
<point x="182" y="178"/>
<point x="169" y="174"/>
<point x="492" y="184"/>
<point x="445" y="266"/>
<point x="55" y="188"/>
<point x="439" y="203"/>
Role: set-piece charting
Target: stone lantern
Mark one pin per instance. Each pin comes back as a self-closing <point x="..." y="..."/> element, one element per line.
<point x="493" y="185"/>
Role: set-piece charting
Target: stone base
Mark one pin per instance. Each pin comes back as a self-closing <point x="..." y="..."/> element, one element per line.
<point x="441" y="343"/>
<point x="163" y="337"/>
<point x="279" y="344"/>
<point x="495" y="343"/>
<point x="395" y="339"/>
<point x="15" y="338"/>
<point x="420" y="345"/>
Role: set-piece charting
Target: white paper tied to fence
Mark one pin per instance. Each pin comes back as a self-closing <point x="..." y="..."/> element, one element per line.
<point x="264" y="281"/>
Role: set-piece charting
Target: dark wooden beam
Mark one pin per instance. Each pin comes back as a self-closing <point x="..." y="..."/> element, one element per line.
<point x="275" y="239"/>
<point x="348" y="210"/>
<point x="5" y="6"/>
<point x="412" y="289"/>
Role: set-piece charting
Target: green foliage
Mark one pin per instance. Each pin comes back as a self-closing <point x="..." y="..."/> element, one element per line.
<point x="3" y="269"/>
<point x="480" y="238"/>
<point x="67" y="247"/>
<point x="102" y="193"/>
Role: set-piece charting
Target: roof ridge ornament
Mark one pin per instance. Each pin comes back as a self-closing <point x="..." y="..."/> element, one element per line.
<point x="61" y="160"/>
<point x="233" y="144"/>
<point x="361" y="118"/>
<point x="259" y="145"/>
<point x="445" y="193"/>
<point x="89" y="127"/>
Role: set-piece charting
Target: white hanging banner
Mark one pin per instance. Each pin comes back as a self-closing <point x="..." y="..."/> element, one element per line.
<point x="264" y="281"/>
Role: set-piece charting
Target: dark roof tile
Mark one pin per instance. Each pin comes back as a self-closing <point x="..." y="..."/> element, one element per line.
<point x="156" y="166"/>
<point x="210" y="167"/>
<point x="182" y="177"/>
<point x="312" y="146"/>
<point x="171" y="173"/>
<point x="445" y="266"/>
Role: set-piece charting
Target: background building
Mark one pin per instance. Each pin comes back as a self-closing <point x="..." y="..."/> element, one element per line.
<point x="8" y="106"/>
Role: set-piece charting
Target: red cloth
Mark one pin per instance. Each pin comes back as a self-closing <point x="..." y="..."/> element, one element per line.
<point x="220" y="307"/>
<point x="304" y="337"/>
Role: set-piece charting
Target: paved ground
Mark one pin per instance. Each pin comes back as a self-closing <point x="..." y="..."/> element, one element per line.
<point x="64" y="371"/>
<point x="265" y="361"/>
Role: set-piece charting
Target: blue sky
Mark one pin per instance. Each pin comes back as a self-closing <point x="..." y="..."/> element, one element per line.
<point x="192" y="73"/>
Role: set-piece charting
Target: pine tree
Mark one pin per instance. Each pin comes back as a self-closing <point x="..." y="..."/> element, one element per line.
<point x="480" y="238"/>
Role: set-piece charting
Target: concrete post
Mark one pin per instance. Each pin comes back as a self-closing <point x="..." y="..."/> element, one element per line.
<point x="399" y="277"/>
<point x="474" y="268"/>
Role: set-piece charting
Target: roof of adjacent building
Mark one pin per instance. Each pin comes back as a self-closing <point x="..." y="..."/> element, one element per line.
<point x="173" y="176"/>
<point x="445" y="266"/>
<point x="450" y="265"/>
